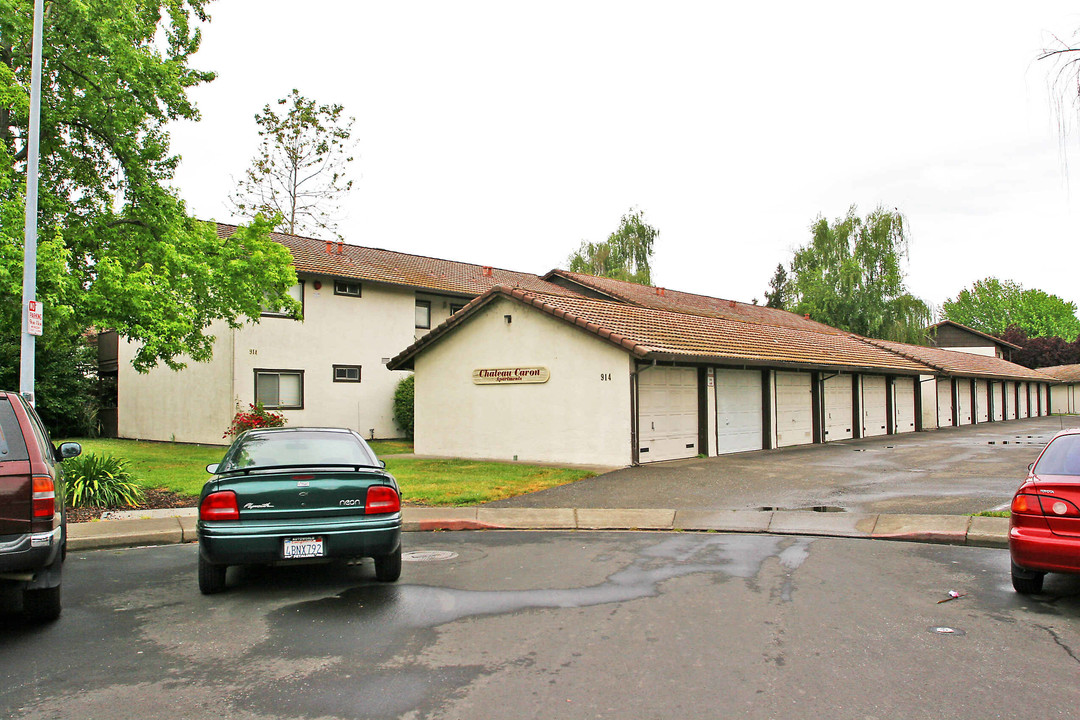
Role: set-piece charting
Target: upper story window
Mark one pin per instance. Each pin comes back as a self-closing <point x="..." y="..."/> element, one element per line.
<point x="352" y="289"/>
<point x="279" y="389"/>
<point x="347" y="373"/>
<point x="297" y="294"/>
<point x="423" y="314"/>
<point x="454" y="307"/>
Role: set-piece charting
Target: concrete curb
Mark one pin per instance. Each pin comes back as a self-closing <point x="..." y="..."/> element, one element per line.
<point x="943" y="529"/>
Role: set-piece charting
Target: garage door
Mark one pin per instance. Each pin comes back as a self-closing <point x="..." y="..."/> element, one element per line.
<point x="982" y="401"/>
<point x="794" y="409"/>
<point x="996" y="401"/>
<point x="904" y="405"/>
<point x="963" y="401"/>
<point x="1044" y="396"/>
<point x="838" y="418"/>
<point x="738" y="410"/>
<point x="667" y="413"/>
<point x="875" y="410"/>
<point x="944" y="402"/>
<point x="1010" y="401"/>
<point x="1022" y="405"/>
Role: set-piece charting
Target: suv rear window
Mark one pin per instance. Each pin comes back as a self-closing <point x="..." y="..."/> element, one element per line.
<point x="12" y="445"/>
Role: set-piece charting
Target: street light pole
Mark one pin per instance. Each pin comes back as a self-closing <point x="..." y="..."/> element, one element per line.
<point x="26" y="365"/>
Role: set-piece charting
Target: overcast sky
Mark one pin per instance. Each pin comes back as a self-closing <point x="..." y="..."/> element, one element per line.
<point x="505" y="133"/>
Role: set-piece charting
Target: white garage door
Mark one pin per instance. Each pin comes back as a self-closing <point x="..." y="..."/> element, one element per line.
<point x="982" y="401"/>
<point x="963" y="401"/>
<point x="996" y="401"/>
<point x="667" y="414"/>
<point x="1044" y="397"/>
<point x="838" y="419"/>
<point x="904" y="404"/>
<point x="794" y="409"/>
<point x="875" y="411"/>
<point x="944" y="402"/>
<point x="738" y="410"/>
<point x="1022" y="406"/>
<point x="1010" y="400"/>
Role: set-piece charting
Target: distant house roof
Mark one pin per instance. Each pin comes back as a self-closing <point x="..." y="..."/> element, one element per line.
<point x="666" y="299"/>
<point x="1064" y="373"/>
<point x="953" y="362"/>
<point x="353" y="262"/>
<point x="653" y="334"/>
<point x="932" y="331"/>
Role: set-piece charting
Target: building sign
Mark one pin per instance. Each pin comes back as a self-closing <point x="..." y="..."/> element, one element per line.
<point x="34" y="317"/>
<point x="513" y="376"/>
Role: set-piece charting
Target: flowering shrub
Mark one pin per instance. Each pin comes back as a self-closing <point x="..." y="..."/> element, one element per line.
<point x="255" y="417"/>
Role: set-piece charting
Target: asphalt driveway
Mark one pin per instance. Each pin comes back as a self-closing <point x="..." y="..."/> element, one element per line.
<point x="949" y="471"/>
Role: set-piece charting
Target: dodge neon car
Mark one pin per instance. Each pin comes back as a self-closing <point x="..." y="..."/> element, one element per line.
<point x="293" y="495"/>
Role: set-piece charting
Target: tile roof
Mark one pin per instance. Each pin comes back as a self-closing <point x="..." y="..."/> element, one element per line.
<point x="676" y="301"/>
<point x="1064" y="373"/>
<point x="649" y="333"/>
<point x="353" y="262"/>
<point x="953" y="362"/>
<point x="932" y="331"/>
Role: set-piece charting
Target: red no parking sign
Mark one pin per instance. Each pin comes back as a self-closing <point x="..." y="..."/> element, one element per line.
<point x="34" y="319"/>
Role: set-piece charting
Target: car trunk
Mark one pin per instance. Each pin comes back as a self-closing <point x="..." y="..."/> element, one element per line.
<point x="1059" y="496"/>
<point x="293" y="495"/>
<point x="15" y="497"/>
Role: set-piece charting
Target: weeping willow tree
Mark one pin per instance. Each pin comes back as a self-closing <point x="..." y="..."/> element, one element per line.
<point x="851" y="276"/>
<point x="625" y="255"/>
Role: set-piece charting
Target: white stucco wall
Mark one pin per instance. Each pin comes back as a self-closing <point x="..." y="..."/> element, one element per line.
<point x="580" y="415"/>
<point x="197" y="404"/>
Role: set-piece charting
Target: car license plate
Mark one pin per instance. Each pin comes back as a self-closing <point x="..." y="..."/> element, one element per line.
<point x="306" y="547"/>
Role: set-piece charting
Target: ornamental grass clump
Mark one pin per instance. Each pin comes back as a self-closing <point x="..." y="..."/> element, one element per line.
<point x="256" y="417"/>
<point x="100" y="481"/>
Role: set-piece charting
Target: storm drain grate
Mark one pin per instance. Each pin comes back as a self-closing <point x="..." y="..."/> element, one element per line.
<point x="427" y="555"/>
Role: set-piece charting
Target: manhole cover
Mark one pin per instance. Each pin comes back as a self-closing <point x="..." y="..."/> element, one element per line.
<point x="943" y="630"/>
<point x="427" y="555"/>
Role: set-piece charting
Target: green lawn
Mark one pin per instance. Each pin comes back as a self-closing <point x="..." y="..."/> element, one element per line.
<point x="182" y="469"/>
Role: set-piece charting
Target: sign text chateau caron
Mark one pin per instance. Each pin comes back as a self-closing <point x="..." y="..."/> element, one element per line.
<point x="512" y="376"/>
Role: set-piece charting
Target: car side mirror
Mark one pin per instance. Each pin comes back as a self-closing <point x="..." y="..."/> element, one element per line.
<point x="1031" y="466"/>
<point x="70" y="450"/>
<point x="382" y="463"/>
<point x="212" y="468"/>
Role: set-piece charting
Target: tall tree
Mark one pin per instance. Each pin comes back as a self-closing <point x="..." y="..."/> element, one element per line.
<point x="117" y="246"/>
<point x="625" y="255"/>
<point x="300" y="170"/>
<point x="850" y="276"/>
<point x="992" y="306"/>
<point x="776" y="296"/>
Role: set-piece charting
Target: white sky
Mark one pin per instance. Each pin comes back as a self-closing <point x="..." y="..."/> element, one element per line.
<point x="505" y="133"/>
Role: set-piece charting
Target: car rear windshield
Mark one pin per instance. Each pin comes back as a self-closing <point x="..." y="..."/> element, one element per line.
<point x="298" y="448"/>
<point x="1061" y="457"/>
<point x="12" y="445"/>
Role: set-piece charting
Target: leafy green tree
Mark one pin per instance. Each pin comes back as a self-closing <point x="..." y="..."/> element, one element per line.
<point x="299" y="172"/>
<point x="850" y="276"/>
<point x="992" y="306"/>
<point x="625" y="255"/>
<point x="776" y="297"/>
<point x="117" y="248"/>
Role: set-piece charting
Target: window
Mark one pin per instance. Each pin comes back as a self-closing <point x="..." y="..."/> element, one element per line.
<point x="423" y="314"/>
<point x="454" y="307"/>
<point x="347" y="373"/>
<point x="346" y="288"/>
<point x="280" y="389"/>
<point x="297" y="294"/>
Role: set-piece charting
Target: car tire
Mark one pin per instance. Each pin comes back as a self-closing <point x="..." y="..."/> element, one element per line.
<point x="388" y="567"/>
<point x="211" y="576"/>
<point x="1027" y="582"/>
<point x="42" y="605"/>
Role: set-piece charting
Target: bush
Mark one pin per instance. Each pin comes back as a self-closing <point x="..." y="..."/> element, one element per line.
<point x="100" y="481"/>
<point x="403" y="405"/>
<point x="256" y="417"/>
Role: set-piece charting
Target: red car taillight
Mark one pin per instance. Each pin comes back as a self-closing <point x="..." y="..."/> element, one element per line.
<point x="382" y="499"/>
<point x="1026" y="505"/>
<point x="44" y="497"/>
<point x="219" y="506"/>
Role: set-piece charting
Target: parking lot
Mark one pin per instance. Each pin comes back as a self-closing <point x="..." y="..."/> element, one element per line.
<point x="949" y="471"/>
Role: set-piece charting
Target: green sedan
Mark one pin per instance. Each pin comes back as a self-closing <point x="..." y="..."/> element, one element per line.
<point x="284" y="496"/>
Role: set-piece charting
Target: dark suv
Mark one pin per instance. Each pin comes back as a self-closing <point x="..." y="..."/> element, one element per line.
<point x="33" y="533"/>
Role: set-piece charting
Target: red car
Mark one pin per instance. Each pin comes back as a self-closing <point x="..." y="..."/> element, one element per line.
<point x="1044" y="530"/>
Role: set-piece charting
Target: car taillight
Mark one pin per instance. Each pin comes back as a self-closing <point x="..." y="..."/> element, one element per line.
<point x="382" y="499"/>
<point x="1058" y="507"/>
<point x="44" y="497"/>
<point x="219" y="506"/>
<point x="1026" y="504"/>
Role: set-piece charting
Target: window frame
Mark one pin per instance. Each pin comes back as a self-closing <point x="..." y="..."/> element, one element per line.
<point x="456" y="308"/>
<point x="427" y="305"/>
<point x="359" y="373"/>
<point x="348" y="284"/>
<point x="278" y="314"/>
<point x="279" y="372"/>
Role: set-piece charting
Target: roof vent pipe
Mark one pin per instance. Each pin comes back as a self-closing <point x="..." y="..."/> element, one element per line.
<point x="660" y="291"/>
<point x="329" y="248"/>
<point x="806" y="316"/>
<point x="339" y="246"/>
<point x="486" y="270"/>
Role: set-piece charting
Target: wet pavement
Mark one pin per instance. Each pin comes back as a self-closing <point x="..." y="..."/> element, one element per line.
<point x="952" y="471"/>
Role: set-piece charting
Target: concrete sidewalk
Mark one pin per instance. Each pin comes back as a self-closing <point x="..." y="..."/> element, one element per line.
<point x="165" y="527"/>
